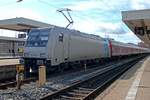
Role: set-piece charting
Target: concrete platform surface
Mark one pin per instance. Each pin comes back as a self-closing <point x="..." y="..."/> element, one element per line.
<point x="4" y="62"/>
<point x="132" y="85"/>
<point x="9" y="57"/>
<point x="143" y="92"/>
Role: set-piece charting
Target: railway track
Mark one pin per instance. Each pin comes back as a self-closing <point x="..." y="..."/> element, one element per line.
<point x="14" y="83"/>
<point x="5" y="83"/>
<point x="89" y="88"/>
<point x="10" y="82"/>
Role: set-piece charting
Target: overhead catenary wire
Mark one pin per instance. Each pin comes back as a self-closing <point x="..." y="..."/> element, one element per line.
<point x="107" y="4"/>
<point x="114" y="12"/>
<point x="7" y="4"/>
<point x="48" y="4"/>
<point x="83" y="16"/>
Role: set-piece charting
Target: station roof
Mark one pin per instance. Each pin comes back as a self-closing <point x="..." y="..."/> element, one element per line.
<point x="21" y="24"/>
<point x="139" y="22"/>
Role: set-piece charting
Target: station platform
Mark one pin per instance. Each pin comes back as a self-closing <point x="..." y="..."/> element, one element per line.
<point x="4" y="62"/>
<point x="132" y="85"/>
<point x="9" y="57"/>
<point x="8" y="68"/>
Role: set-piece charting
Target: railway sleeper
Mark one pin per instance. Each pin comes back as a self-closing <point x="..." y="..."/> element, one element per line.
<point x="81" y="91"/>
<point x="85" y="89"/>
<point x="64" y="97"/>
<point x="76" y="94"/>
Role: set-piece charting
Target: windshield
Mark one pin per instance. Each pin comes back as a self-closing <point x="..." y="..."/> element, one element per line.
<point x="37" y="38"/>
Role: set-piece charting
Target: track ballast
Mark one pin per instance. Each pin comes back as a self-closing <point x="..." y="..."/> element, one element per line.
<point x="89" y="88"/>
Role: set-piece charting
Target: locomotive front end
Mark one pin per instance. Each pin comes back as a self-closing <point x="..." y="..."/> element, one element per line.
<point x="35" y="53"/>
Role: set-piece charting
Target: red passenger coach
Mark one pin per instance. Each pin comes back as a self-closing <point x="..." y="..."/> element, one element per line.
<point x="123" y="49"/>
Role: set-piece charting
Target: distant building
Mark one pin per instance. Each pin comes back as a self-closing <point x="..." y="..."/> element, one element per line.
<point x="10" y="46"/>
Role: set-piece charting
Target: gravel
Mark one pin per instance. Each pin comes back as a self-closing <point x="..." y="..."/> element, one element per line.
<point x="33" y="92"/>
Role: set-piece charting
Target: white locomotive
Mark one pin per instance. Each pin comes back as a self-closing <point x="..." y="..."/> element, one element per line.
<point x="57" y="47"/>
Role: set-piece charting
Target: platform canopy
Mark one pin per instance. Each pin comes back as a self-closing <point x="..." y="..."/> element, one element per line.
<point x="139" y="22"/>
<point x="21" y="24"/>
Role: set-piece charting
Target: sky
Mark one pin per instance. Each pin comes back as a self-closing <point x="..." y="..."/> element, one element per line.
<point x="100" y="17"/>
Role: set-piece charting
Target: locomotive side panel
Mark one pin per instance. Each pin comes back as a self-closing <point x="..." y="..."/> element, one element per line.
<point x="85" y="48"/>
<point x="59" y="46"/>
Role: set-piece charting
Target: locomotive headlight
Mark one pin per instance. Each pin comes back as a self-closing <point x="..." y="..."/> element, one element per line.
<point x="30" y="70"/>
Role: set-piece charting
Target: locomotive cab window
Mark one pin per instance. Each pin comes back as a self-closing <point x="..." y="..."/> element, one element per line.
<point x="38" y="38"/>
<point x="61" y="37"/>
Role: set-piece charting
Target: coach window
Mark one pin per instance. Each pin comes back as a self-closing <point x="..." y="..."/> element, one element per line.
<point x="61" y="37"/>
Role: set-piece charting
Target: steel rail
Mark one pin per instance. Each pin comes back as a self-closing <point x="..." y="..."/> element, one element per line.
<point x="73" y="93"/>
<point x="13" y="84"/>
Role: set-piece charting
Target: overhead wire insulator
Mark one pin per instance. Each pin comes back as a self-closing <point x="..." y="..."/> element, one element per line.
<point x="19" y="0"/>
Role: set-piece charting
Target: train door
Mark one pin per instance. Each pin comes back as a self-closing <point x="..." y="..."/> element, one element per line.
<point x="66" y="47"/>
<point x="62" y="48"/>
<point x="57" y="51"/>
